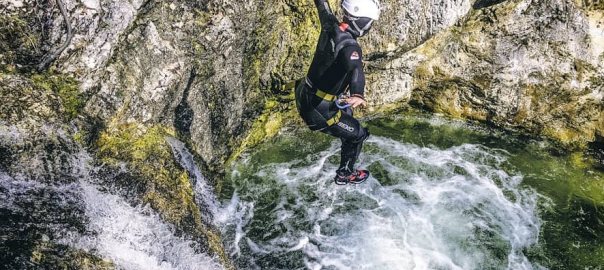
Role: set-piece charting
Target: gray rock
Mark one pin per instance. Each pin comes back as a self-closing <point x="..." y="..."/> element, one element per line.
<point x="518" y="64"/>
<point x="34" y="141"/>
<point x="207" y="68"/>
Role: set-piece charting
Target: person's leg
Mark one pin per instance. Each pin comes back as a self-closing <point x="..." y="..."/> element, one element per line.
<point x="352" y="134"/>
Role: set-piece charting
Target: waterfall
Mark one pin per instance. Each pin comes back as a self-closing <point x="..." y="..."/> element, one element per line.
<point x="133" y="237"/>
<point x="78" y="211"/>
<point x="204" y="193"/>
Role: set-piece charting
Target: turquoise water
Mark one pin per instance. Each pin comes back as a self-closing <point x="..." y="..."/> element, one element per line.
<point x="443" y="195"/>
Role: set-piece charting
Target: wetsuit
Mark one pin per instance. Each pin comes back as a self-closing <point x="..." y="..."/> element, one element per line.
<point x="337" y="65"/>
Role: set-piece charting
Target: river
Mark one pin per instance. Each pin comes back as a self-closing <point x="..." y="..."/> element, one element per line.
<point x="443" y="195"/>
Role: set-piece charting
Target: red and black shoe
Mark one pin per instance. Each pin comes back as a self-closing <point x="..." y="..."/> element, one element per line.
<point x="344" y="177"/>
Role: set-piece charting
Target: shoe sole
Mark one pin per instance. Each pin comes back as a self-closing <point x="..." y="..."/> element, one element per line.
<point x="341" y="183"/>
<point x="354" y="183"/>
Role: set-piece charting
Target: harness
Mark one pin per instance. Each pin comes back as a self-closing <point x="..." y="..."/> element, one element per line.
<point x="330" y="98"/>
<point x="329" y="47"/>
<point x="320" y="94"/>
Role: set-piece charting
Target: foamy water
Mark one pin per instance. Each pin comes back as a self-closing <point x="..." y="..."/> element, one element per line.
<point x="134" y="237"/>
<point x="131" y="236"/>
<point x="437" y="209"/>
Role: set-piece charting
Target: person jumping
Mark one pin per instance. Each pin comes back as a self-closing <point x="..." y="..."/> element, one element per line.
<point x="337" y="66"/>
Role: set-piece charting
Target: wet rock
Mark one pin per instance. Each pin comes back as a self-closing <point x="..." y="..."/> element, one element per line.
<point x="35" y="141"/>
<point x="218" y="61"/>
<point x="524" y="65"/>
<point x="140" y="161"/>
<point x="38" y="169"/>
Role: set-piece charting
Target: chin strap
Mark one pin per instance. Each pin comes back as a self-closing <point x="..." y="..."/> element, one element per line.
<point x="363" y="30"/>
<point x="355" y="30"/>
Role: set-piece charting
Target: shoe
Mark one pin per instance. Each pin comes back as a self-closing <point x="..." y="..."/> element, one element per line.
<point x="356" y="177"/>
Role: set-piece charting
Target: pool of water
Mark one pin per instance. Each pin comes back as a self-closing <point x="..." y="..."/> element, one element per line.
<point x="443" y="195"/>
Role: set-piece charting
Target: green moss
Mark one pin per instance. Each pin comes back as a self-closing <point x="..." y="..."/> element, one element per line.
<point x="569" y="137"/>
<point x="18" y="42"/>
<point x="64" y="86"/>
<point x="78" y="137"/>
<point x="148" y="153"/>
<point x="167" y="188"/>
<point x="203" y="18"/>
<point x="298" y="27"/>
<point x="48" y="255"/>
<point x="274" y="117"/>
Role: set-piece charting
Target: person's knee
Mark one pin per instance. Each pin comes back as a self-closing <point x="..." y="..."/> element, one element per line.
<point x="366" y="135"/>
<point x="362" y="135"/>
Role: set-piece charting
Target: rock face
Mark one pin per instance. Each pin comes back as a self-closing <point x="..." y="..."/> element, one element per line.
<point x="529" y="65"/>
<point x="207" y="68"/>
<point x="203" y="67"/>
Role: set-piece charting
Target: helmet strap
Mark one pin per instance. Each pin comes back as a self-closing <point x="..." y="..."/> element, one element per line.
<point x="362" y="31"/>
<point x="357" y="26"/>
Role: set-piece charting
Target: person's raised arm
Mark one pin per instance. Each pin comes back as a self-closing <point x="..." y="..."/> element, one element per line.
<point x="325" y="13"/>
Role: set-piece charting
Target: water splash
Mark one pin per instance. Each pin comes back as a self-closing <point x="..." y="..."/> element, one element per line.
<point x="134" y="237"/>
<point x="80" y="213"/>
<point x="431" y="209"/>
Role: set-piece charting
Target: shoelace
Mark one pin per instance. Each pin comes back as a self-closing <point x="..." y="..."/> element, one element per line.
<point x="352" y="175"/>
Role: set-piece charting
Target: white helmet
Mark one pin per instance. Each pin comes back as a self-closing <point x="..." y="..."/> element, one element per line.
<point x="362" y="8"/>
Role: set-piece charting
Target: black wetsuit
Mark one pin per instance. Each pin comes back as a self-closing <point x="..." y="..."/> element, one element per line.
<point x="337" y="65"/>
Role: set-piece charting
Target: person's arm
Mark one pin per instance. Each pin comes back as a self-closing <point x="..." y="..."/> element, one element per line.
<point x="325" y="13"/>
<point x="352" y="57"/>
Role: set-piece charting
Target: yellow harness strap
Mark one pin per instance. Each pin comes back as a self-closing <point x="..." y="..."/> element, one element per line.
<point x="319" y="93"/>
<point x="325" y="96"/>
<point x="335" y="119"/>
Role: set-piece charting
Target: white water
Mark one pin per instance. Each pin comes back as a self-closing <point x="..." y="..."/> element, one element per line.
<point x="132" y="237"/>
<point x="441" y="209"/>
<point x="204" y="193"/>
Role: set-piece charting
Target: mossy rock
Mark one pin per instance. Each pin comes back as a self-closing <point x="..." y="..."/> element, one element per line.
<point x="162" y="182"/>
<point x="19" y="42"/>
<point x="275" y="116"/>
<point x="48" y="255"/>
<point x="464" y="73"/>
<point x="65" y="87"/>
<point x="51" y="256"/>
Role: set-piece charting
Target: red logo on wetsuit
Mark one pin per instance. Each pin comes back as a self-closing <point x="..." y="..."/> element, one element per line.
<point x="354" y="56"/>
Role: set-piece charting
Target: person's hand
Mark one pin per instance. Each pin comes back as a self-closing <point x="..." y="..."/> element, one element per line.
<point x="355" y="101"/>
